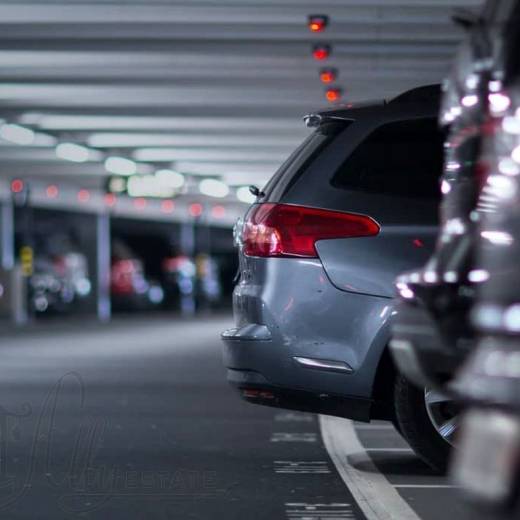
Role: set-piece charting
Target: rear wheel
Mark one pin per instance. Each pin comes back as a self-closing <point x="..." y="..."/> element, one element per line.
<point x="427" y="420"/>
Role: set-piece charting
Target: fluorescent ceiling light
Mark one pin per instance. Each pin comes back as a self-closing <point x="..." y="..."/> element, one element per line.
<point x="82" y="122"/>
<point x="244" y="195"/>
<point x="40" y="141"/>
<point x="170" y="178"/>
<point x="148" y="186"/>
<point x="244" y="178"/>
<point x="202" y="139"/>
<point x="207" y="154"/>
<point x="120" y="166"/>
<point x="217" y="168"/>
<point x="17" y="134"/>
<point x="213" y="188"/>
<point x="73" y="152"/>
<point x="44" y="140"/>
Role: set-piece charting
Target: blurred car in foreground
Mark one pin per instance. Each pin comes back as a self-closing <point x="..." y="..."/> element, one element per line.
<point x="433" y="333"/>
<point x="129" y="286"/>
<point x="354" y="206"/>
<point x="488" y="463"/>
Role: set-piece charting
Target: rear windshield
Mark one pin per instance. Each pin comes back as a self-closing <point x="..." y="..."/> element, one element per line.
<point x="403" y="158"/>
<point x="301" y="158"/>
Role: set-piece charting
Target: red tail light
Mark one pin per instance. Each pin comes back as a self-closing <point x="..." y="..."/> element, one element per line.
<point x="123" y="274"/>
<point x="60" y="265"/>
<point x="283" y="230"/>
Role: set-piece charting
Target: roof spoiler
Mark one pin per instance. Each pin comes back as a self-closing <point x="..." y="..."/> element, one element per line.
<point x="428" y="93"/>
<point x="314" y="120"/>
<point x="466" y="19"/>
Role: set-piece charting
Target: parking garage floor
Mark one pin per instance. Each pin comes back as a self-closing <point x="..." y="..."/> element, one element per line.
<point x="135" y="420"/>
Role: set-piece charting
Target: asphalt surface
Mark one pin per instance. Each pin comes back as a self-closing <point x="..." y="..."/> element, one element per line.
<point x="134" y="420"/>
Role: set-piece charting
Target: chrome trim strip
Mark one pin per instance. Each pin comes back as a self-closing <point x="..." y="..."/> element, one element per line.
<point x="324" y="364"/>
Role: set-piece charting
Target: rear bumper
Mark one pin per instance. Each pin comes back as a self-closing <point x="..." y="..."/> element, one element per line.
<point x="264" y="372"/>
<point x="298" y="333"/>
<point x="254" y="388"/>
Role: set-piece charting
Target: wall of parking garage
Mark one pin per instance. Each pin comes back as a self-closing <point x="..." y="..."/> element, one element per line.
<point x="35" y="216"/>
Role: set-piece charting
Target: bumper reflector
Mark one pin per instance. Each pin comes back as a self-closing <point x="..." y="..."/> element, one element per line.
<point x="252" y="393"/>
<point x="324" y="364"/>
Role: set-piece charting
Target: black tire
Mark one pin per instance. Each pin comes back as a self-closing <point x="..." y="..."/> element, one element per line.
<point x="396" y="425"/>
<point x="416" y="426"/>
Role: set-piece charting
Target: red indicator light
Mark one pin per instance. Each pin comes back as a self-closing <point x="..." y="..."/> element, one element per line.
<point x="284" y="230"/>
<point x="418" y="242"/>
<point x="52" y="191"/>
<point x="321" y="52"/>
<point x="83" y="195"/>
<point x="140" y="203"/>
<point x="328" y="75"/>
<point x="110" y="199"/>
<point x="167" y="206"/>
<point x="195" y="209"/>
<point x="333" y="94"/>
<point x="218" y="211"/>
<point x="317" y="23"/>
<point x="17" y="186"/>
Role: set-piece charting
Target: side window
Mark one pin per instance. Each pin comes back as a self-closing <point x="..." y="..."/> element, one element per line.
<point x="403" y="158"/>
<point x="296" y="165"/>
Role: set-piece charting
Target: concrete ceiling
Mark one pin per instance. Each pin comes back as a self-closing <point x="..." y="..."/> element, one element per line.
<point x="208" y="87"/>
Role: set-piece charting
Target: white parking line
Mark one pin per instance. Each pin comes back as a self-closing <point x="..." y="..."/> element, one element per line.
<point x="306" y="511"/>
<point x="374" y="427"/>
<point x="395" y="450"/>
<point x="293" y="417"/>
<point x="376" y="497"/>
<point x="301" y="467"/>
<point x="426" y="486"/>
<point x="293" y="437"/>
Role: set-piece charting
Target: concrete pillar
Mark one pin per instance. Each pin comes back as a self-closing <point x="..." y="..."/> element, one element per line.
<point x="104" y="310"/>
<point x="7" y="235"/>
<point x="188" y="245"/>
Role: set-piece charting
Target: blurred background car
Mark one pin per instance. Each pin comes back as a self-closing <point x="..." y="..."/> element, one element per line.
<point x="209" y="289"/>
<point x="130" y="287"/>
<point x="179" y="272"/>
<point x="61" y="277"/>
<point x="355" y="205"/>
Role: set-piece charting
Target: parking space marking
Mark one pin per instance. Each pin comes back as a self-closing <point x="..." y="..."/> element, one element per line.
<point x="301" y="467"/>
<point x="374" y="427"/>
<point x="375" y="496"/>
<point x="305" y="511"/>
<point x="293" y="437"/>
<point x="396" y="450"/>
<point x="426" y="486"/>
<point x="293" y="417"/>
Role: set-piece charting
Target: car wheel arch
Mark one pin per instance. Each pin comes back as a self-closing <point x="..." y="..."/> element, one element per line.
<point x="382" y="388"/>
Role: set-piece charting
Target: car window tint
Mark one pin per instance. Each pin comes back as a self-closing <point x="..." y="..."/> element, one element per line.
<point x="299" y="161"/>
<point x="403" y="158"/>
